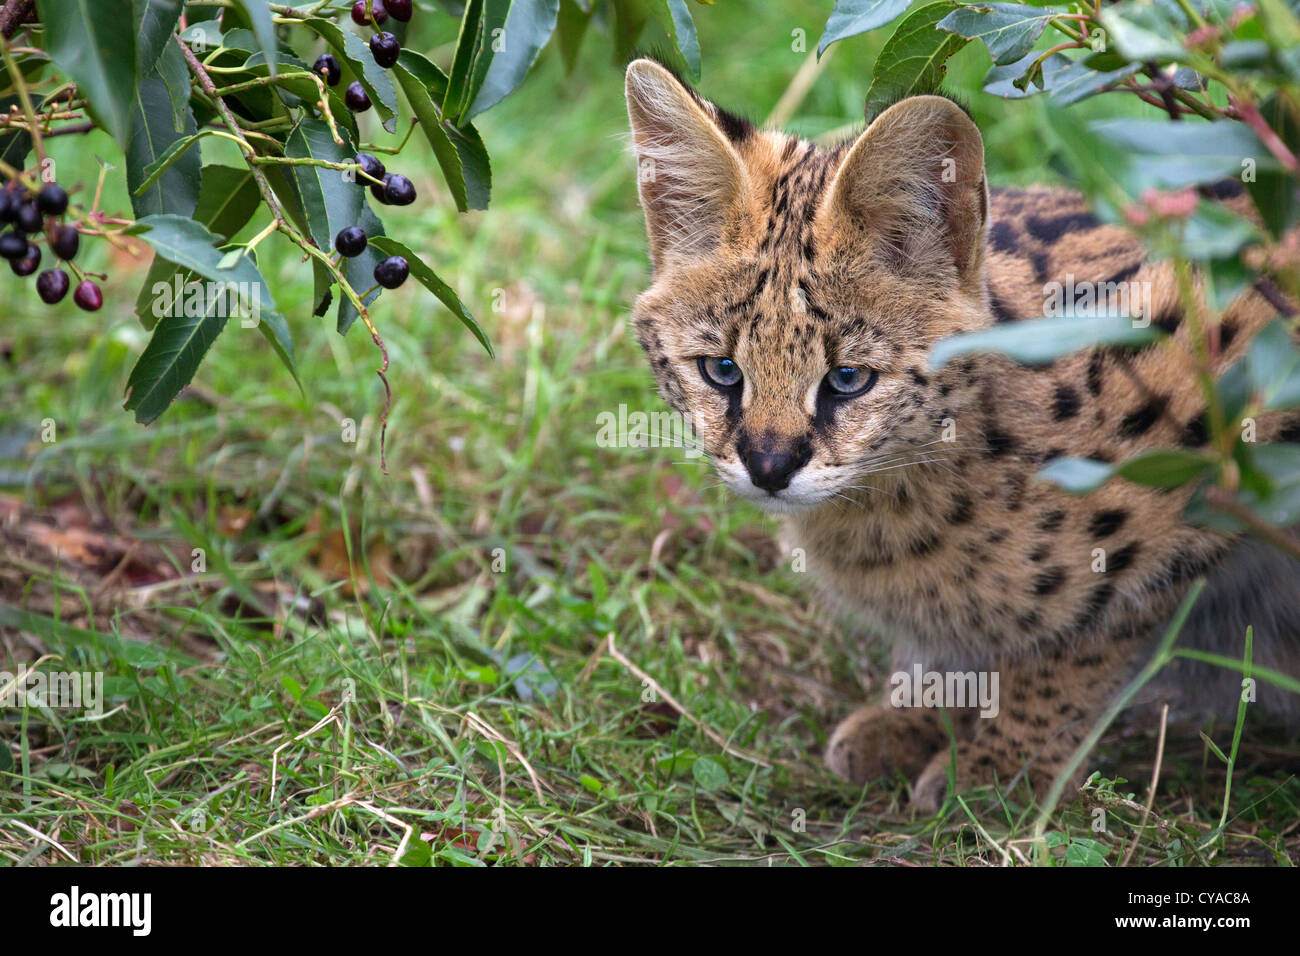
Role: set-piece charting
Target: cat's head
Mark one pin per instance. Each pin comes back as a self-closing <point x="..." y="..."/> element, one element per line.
<point x="797" y="290"/>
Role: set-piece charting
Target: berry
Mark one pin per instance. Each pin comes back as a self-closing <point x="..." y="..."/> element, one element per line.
<point x="361" y="16"/>
<point x="29" y="217"/>
<point x="88" y="296"/>
<point x="392" y="272"/>
<point x="351" y="242"/>
<point x="52" y="286"/>
<point x="386" y="49"/>
<point x="380" y="191"/>
<point x="328" y="69"/>
<point x="52" y="199"/>
<point x="28" y="264"/>
<point x="9" y="204"/>
<point x="399" y="9"/>
<point x="398" y="190"/>
<point x="356" y="98"/>
<point x="371" y="166"/>
<point x="66" y="242"/>
<point x="13" y="246"/>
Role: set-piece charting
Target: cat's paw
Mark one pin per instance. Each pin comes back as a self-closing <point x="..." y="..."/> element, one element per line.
<point x="878" y="741"/>
<point x="977" y="767"/>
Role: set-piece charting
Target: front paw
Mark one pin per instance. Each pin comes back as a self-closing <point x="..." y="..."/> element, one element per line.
<point x="878" y="741"/>
<point x="978" y="767"/>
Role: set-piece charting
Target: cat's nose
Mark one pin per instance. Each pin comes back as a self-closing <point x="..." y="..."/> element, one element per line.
<point x="771" y="469"/>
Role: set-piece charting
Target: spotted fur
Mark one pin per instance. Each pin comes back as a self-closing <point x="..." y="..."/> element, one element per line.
<point x="916" y="503"/>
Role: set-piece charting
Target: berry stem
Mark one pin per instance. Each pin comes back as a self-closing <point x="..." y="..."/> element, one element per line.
<point x="392" y="150"/>
<point x="20" y="85"/>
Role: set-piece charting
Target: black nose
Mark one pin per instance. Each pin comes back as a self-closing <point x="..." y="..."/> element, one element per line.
<point x="771" y="464"/>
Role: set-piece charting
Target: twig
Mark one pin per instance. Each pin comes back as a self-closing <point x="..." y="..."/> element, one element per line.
<point x="1222" y="500"/>
<point x="1155" y="779"/>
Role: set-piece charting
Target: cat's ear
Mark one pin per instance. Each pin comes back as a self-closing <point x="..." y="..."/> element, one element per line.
<point x="914" y="180"/>
<point x="689" y="175"/>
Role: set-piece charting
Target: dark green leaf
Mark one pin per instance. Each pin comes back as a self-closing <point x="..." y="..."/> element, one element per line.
<point x="1009" y="30"/>
<point x="462" y="65"/>
<point x="1167" y="155"/>
<point x="527" y="28"/>
<point x="331" y="199"/>
<point x="94" y="43"/>
<point x="360" y="272"/>
<point x="1164" y="468"/>
<point x="1142" y="32"/>
<point x="1080" y="80"/>
<point x="851" y="17"/>
<point x="468" y="170"/>
<point x="570" y="28"/>
<point x="157" y="20"/>
<point x="1042" y="341"/>
<point x="154" y="137"/>
<point x="258" y="13"/>
<point x="1273" y="363"/>
<point x="912" y="59"/>
<point x="175" y="74"/>
<point x="429" y="279"/>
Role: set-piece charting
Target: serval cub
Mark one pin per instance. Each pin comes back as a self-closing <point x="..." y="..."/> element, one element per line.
<point x="796" y="294"/>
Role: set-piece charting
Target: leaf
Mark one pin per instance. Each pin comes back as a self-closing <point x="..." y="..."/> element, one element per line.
<point x="471" y="165"/>
<point x="1273" y="363"/>
<point x="1212" y="232"/>
<point x="1279" y="505"/>
<point x="15" y="146"/>
<point x="227" y="200"/>
<point x="258" y="13"/>
<point x="527" y="28"/>
<point x="360" y="271"/>
<point x="332" y="202"/>
<point x="912" y="59"/>
<point x="1007" y="81"/>
<point x="419" y="97"/>
<point x="1042" y="341"/>
<point x="709" y="773"/>
<point x="851" y="17"/>
<point x="180" y="340"/>
<point x="1167" y="155"/>
<point x="1079" y="81"/>
<point x="1009" y="30"/>
<point x="155" y="144"/>
<point x="1164" y="468"/>
<point x="429" y="279"/>
<point x="453" y="103"/>
<point x="357" y="57"/>
<point x="1076" y="475"/>
<point x="570" y="27"/>
<point x="675" y="18"/>
<point x="94" y="43"/>
<point x="157" y="21"/>
<point x="1142" y="32"/>
<point x="175" y="74"/>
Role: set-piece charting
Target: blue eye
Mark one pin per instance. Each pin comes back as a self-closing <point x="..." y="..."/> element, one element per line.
<point x="720" y="372"/>
<point x="846" y="381"/>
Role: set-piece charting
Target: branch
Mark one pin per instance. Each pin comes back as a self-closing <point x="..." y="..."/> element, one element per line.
<point x="14" y="14"/>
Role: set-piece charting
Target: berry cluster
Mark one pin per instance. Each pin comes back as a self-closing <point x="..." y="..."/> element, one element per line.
<point x="384" y="47"/>
<point x="29" y="217"/>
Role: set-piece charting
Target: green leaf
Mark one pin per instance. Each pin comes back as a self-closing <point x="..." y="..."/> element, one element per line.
<point x="157" y="21"/>
<point x="1164" y="468"/>
<point x="1009" y="30"/>
<point x="570" y="28"/>
<point x="912" y="59"/>
<point x="183" y="336"/>
<point x="1167" y="155"/>
<point x="1076" y="475"/>
<point x="258" y="13"/>
<point x="175" y="74"/>
<point x="527" y="28"/>
<point x="94" y="43"/>
<point x="1142" y="32"/>
<point x="429" y="279"/>
<point x="357" y="57"/>
<point x="332" y="200"/>
<point x="1086" y="853"/>
<point x="1212" y="232"/>
<point x="1042" y="341"/>
<point x="710" y="774"/>
<point x="851" y="17"/>
<point x="675" y="18"/>
<point x="465" y="165"/>
<point x="1276" y="501"/>
<point x="1276" y="192"/>
<point x="1273" y="363"/>
<point x="161" y="177"/>
<point x="462" y="64"/>
<point x="227" y="200"/>
<point x="360" y="271"/>
<point x="1009" y="81"/>
<point x="17" y="145"/>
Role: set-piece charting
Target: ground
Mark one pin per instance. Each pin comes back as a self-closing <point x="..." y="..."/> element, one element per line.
<point x="517" y="646"/>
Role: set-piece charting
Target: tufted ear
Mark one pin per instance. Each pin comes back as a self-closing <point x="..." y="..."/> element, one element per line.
<point x="689" y="175"/>
<point x="914" y="180"/>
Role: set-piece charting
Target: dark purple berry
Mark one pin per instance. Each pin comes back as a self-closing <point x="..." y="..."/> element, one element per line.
<point x="29" y="263"/>
<point x="361" y="16"/>
<point x="328" y="69"/>
<point x="351" y="242"/>
<point x="29" y="217"/>
<point x="380" y="192"/>
<point x="52" y="199"/>
<point x="398" y="190"/>
<point x="399" y="9"/>
<point x="386" y="49"/>
<point x="9" y="204"/>
<point x="13" y="246"/>
<point x="356" y="98"/>
<point x="52" y="286"/>
<point x="371" y="166"/>
<point x="66" y="242"/>
<point x="88" y="296"/>
<point x="392" y="272"/>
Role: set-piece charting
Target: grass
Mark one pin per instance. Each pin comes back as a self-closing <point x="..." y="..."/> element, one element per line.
<point x="310" y="663"/>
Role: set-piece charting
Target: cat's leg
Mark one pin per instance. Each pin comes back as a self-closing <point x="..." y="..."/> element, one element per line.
<point x="879" y="740"/>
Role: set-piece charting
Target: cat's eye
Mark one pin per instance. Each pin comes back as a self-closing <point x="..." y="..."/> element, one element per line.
<point x="720" y="372"/>
<point x="847" y="381"/>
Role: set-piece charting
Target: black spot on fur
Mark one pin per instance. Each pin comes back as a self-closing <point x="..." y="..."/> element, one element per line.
<point x="1000" y="312"/>
<point x="1197" y="432"/>
<point x="1040" y="553"/>
<point x="1051" y="521"/>
<point x="1049" y="581"/>
<point x="1096" y="367"/>
<point x="1105" y="523"/>
<point x="1169" y="319"/>
<point x="925" y="545"/>
<point x="1139" y="422"/>
<point x="1065" y="404"/>
<point x="1122" y="559"/>
<point x="1003" y="236"/>
<point x="1050" y="229"/>
<point x="1000" y="443"/>
<point x="963" y="509"/>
